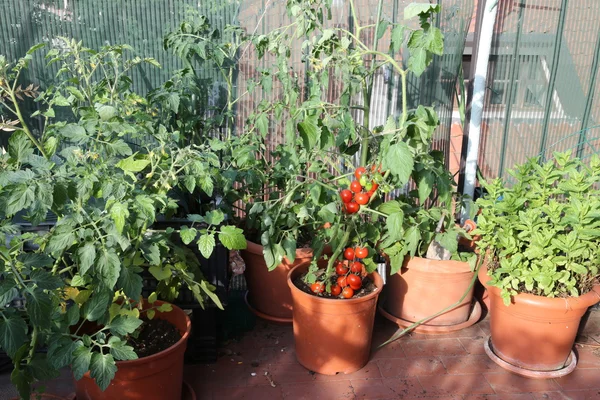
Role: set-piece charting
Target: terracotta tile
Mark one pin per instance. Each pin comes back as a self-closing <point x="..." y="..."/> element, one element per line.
<point x="392" y="350"/>
<point x="473" y="331"/>
<point x="249" y="393"/>
<point x="372" y="389"/>
<point x="411" y="366"/>
<point x="470" y="364"/>
<point x="433" y="347"/>
<point x="473" y="345"/>
<point x="336" y="390"/>
<point x="287" y="373"/>
<point x="569" y="395"/>
<point x="503" y="396"/>
<point x="224" y="372"/>
<point x="371" y="370"/>
<point x="455" y="384"/>
<point x="588" y="357"/>
<point x="276" y="355"/>
<point x="511" y="383"/>
<point x="404" y="387"/>
<point x="484" y="325"/>
<point x="580" y="379"/>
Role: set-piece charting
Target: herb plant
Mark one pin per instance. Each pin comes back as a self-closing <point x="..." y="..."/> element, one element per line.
<point x="541" y="234"/>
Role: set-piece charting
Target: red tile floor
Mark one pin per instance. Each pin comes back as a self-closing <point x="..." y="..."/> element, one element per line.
<point x="262" y="365"/>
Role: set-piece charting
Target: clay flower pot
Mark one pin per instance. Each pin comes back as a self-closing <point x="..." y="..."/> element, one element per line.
<point x="159" y="376"/>
<point x="333" y="335"/>
<point x="535" y="333"/>
<point x="424" y="287"/>
<point x="268" y="295"/>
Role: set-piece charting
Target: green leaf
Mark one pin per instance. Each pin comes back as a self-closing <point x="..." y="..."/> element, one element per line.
<point x="50" y="146"/>
<point x="232" y="238"/>
<point x="262" y="123"/>
<point x="40" y="368"/>
<point x="13" y="333"/>
<point x="435" y="41"/>
<point x="397" y="38"/>
<point x="448" y="240"/>
<point x="19" y="146"/>
<point x="309" y="132"/>
<point x="96" y="306"/>
<point x="119" y="213"/>
<point x="123" y="325"/>
<point x="108" y="265"/>
<point x="39" y="307"/>
<point x="74" y="132"/>
<point x="81" y="361"/>
<point x="151" y="253"/>
<point x="60" y="352"/>
<point x="394" y="225"/>
<point x="8" y="292"/>
<point x="73" y="314"/>
<point x="105" y="111"/>
<point x="102" y="369"/>
<point x="289" y="244"/>
<point x="36" y="260"/>
<point x="173" y="102"/>
<point x="214" y="217"/>
<point x="130" y="164"/>
<point x="159" y="272"/>
<point x="188" y="235"/>
<point x="399" y="161"/>
<point x="390" y="207"/>
<point x="425" y="185"/>
<point x="120" y="350"/>
<point x="45" y="280"/>
<point x="60" y="240"/>
<point x="414" y="9"/>
<point x="87" y="255"/>
<point x="381" y="28"/>
<point x="130" y="281"/>
<point x="206" y="245"/>
<point x="417" y="62"/>
<point x="152" y="298"/>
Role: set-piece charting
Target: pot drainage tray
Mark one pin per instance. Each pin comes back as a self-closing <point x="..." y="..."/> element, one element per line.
<point x="529" y="373"/>
<point x="435" y="329"/>
<point x="270" y="318"/>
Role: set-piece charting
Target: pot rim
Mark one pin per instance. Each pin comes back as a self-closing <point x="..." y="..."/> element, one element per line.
<point x="167" y="351"/>
<point x="453" y="266"/>
<point x="377" y="280"/>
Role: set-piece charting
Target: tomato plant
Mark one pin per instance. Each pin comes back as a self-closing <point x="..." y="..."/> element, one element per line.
<point x="359" y="172"/>
<point x="354" y="281"/>
<point x="342" y="282"/>
<point x="361" y="252"/>
<point x="349" y="254"/>
<point x="347" y="292"/>
<point x="356" y="267"/>
<point x="336" y="290"/>
<point x="346" y="196"/>
<point x="317" y="287"/>
<point x="355" y="186"/>
<point x="341" y="269"/>
<point x="361" y="198"/>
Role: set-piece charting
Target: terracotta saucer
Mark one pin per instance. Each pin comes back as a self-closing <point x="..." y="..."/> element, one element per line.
<point x="435" y="329"/>
<point x="529" y="373"/>
<point x="188" y="393"/>
<point x="270" y="318"/>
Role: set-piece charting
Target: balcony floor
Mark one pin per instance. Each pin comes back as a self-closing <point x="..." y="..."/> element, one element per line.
<point x="262" y="365"/>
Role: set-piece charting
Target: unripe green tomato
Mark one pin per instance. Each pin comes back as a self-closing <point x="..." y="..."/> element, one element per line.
<point x="363" y="181"/>
<point x="368" y="186"/>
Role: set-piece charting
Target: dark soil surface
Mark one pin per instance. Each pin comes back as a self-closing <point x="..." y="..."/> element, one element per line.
<point x="368" y="287"/>
<point x="155" y="336"/>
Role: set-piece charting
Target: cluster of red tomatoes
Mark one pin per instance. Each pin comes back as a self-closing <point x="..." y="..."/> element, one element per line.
<point x="350" y="273"/>
<point x="360" y="191"/>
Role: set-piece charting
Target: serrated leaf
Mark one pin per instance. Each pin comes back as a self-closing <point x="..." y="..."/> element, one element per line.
<point x="40" y="368"/>
<point x="123" y="325"/>
<point x="381" y="28"/>
<point x="87" y="256"/>
<point x="60" y="352"/>
<point x="121" y="351"/>
<point x="414" y="9"/>
<point x="8" y="292"/>
<point x="390" y="207"/>
<point x="105" y="112"/>
<point x="206" y="245"/>
<point x="425" y="185"/>
<point x="82" y="357"/>
<point x="119" y="213"/>
<point x="36" y="260"/>
<point x="173" y="102"/>
<point x="45" y="280"/>
<point x="96" y="306"/>
<point x="39" y="306"/>
<point x="108" y="266"/>
<point x="73" y="314"/>
<point x="130" y="164"/>
<point x="309" y="132"/>
<point x="102" y="369"/>
<point x="150" y="314"/>
<point x="397" y="38"/>
<point x="394" y="225"/>
<point x="399" y="160"/>
<point x="130" y="281"/>
<point x="289" y="245"/>
<point x="159" y="272"/>
<point x="417" y="62"/>
<point x="262" y="124"/>
<point x="13" y="333"/>
<point x="214" y="217"/>
<point x="232" y="238"/>
<point x="435" y="41"/>
<point x="188" y="235"/>
<point x="74" y="132"/>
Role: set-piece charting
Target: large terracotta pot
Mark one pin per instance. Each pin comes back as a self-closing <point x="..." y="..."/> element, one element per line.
<point x="333" y="335"/>
<point x="424" y="287"/>
<point x="268" y="295"/>
<point x="159" y="376"/>
<point x="534" y="332"/>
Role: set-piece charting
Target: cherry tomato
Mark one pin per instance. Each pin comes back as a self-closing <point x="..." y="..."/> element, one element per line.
<point x="354" y="281"/>
<point x="352" y="207"/>
<point x="327" y="225"/>
<point x="346" y="196"/>
<point x="340" y="268"/>
<point x="356" y="267"/>
<point x="361" y="252"/>
<point x="349" y="253"/>
<point x="373" y="168"/>
<point x="336" y="290"/>
<point x="342" y="281"/>
<point x="374" y="186"/>
<point x="359" y="172"/>
<point x="347" y="292"/>
<point x="355" y="186"/>
<point x="361" y="198"/>
<point x="317" y="287"/>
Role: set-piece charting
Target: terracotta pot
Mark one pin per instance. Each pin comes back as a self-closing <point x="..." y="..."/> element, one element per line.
<point x="268" y="295"/>
<point x="333" y="335"/>
<point x="535" y="332"/>
<point x="159" y="376"/>
<point x="424" y="287"/>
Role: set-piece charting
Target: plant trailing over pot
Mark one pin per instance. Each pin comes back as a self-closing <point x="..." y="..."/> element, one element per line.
<point x="103" y="168"/>
<point x="540" y="235"/>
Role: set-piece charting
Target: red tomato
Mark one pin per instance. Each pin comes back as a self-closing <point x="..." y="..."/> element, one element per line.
<point x="355" y="186"/>
<point x="342" y="282"/>
<point x="361" y="252"/>
<point x="354" y="281"/>
<point x="374" y="186"/>
<point x="349" y="253"/>
<point x="340" y="268"/>
<point x="373" y="168"/>
<point x="336" y="290"/>
<point x="346" y="196"/>
<point x="352" y="207"/>
<point x="347" y="292"/>
<point x="317" y="287"/>
<point x="361" y="198"/>
<point x="359" y="172"/>
<point x="356" y="267"/>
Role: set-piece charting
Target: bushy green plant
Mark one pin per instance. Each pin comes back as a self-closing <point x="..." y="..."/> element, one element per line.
<point x="105" y="171"/>
<point x="540" y="231"/>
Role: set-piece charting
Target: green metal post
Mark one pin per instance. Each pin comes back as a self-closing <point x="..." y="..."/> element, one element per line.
<point x="513" y="73"/>
<point x="553" y="73"/>
<point x="392" y="82"/>
<point x="590" y="99"/>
